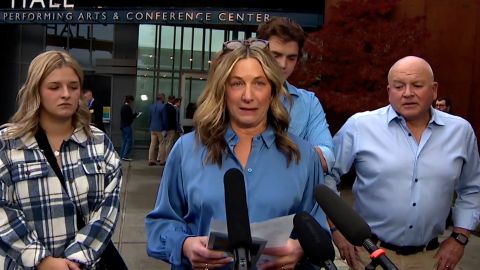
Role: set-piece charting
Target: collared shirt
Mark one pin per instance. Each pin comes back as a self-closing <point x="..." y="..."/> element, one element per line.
<point x="38" y="217"/>
<point x="192" y="193"/>
<point x="307" y="121"/>
<point x="90" y="103"/>
<point x="403" y="188"/>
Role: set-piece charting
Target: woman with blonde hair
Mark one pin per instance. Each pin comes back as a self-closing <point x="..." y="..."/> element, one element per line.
<point x="59" y="177"/>
<point x="240" y="123"/>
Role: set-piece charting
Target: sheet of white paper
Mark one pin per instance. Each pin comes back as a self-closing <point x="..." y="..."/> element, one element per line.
<point x="275" y="231"/>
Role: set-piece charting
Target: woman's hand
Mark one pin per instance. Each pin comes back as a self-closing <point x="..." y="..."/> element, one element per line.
<point x="195" y="249"/>
<point x="73" y="265"/>
<point x="51" y="263"/>
<point x="287" y="256"/>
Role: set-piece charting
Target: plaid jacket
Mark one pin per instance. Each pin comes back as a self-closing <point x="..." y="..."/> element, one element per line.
<point x="38" y="217"/>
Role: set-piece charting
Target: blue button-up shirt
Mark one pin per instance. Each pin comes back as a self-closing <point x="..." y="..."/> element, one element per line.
<point x="156" y="121"/>
<point x="192" y="193"/>
<point x="403" y="188"/>
<point x="307" y="121"/>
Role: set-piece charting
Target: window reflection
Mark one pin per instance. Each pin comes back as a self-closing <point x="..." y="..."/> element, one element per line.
<point x="164" y="52"/>
<point x="86" y="42"/>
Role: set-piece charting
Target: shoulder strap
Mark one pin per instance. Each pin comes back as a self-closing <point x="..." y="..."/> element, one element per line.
<point x="42" y="141"/>
<point x="44" y="145"/>
<point x="3" y="154"/>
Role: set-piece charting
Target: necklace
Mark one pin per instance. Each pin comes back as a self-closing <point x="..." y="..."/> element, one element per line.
<point x="56" y="153"/>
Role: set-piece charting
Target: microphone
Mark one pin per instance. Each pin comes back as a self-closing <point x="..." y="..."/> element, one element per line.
<point x="238" y="223"/>
<point x="315" y="242"/>
<point x="352" y="226"/>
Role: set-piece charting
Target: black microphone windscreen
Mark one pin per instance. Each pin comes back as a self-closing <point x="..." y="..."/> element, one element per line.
<point x="238" y="223"/>
<point x="314" y="240"/>
<point x="347" y="221"/>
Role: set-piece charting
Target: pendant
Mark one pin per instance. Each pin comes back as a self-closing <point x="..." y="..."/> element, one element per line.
<point x="56" y="153"/>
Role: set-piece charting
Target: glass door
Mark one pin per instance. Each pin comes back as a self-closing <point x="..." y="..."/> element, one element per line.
<point x="191" y="86"/>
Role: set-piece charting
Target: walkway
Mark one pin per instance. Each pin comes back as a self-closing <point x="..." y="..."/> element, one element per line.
<point x="140" y="186"/>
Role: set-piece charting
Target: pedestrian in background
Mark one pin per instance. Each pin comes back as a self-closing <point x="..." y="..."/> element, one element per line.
<point x="169" y="120"/>
<point x="126" y="120"/>
<point x="178" y="103"/>
<point x="443" y="104"/>
<point x="156" y="128"/>
<point x="95" y="108"/>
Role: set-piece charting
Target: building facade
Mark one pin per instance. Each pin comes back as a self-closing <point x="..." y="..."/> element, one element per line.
<point x="142" y="50"/>
<point x="132" y="50"/>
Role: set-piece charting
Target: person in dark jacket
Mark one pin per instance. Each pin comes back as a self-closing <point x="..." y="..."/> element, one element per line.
<point x="95" y="108"/>
<point x="169" y="119"/>
<point x="126" y="119"/>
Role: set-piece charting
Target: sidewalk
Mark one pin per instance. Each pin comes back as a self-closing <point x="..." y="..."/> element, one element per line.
<point x="139" y="191"/>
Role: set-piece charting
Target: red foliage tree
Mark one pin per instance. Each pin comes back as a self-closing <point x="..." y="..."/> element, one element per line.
<point x="349" y="57"/>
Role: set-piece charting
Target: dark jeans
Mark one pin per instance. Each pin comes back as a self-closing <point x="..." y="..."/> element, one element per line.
<point x="127" y="141"/>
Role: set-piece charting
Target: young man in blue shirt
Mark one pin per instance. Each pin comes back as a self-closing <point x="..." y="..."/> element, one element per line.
<point x="307" y="118"/>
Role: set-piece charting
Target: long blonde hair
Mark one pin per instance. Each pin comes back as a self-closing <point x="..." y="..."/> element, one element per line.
<point x="26" y="118"/>
<point x="211" y="119"/>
